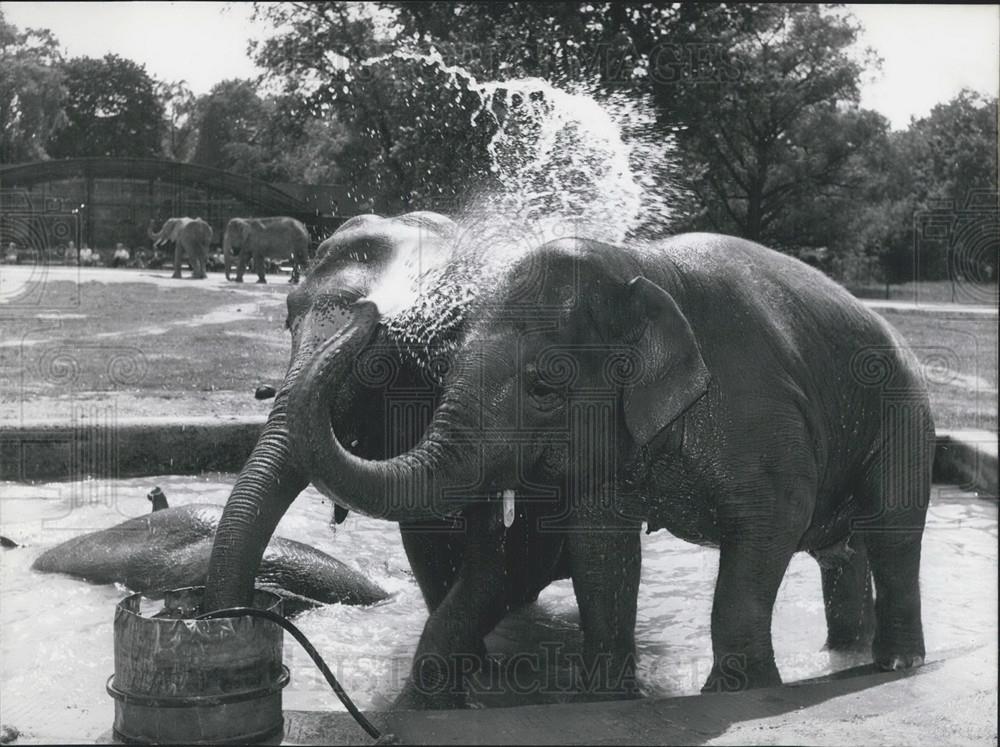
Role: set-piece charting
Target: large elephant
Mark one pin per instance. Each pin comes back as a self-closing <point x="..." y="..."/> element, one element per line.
<point x="170" y="548"/>
<point x="262" y="239"/>
<point x="704" y="384"/>
<point x="348" y="266"/>
<point x="191" y="238"/>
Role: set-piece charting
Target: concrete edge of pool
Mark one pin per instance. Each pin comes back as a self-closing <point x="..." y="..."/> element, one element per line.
<point x="33" y="450"/>
<point x="940" y="700"/>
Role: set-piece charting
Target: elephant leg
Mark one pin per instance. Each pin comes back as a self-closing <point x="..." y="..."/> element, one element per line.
<point x="177" y="260"/>
<point x="847" y="599"/>
<point x="241" y="264"/>
<point x="198" y="265"/>
<point x="450" y="647"/>
<point x="751" y="567"/>
<point x="895" y="497"/>
<point x="261" y="262"/>
<point x="604" y="566"/>
<point x="435" y="552"/>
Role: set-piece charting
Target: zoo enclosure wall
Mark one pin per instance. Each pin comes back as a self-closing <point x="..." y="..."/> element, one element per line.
<point x="100" y="202"/>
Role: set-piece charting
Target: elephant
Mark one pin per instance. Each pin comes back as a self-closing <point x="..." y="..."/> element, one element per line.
<point x="703" y="384"/>
<point x="191" y="237"/>
<point x="265" y="238"/>
<point x="170" y="547"/>
<point x="348" y="265"/>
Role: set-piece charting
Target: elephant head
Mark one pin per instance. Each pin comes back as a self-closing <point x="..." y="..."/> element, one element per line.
<point x="348" y="265"/>
<point x="168" y="231"/>
<point x="576" y="340"/>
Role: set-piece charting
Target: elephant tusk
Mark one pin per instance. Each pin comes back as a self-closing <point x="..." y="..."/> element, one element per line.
<point x="508" y="508"/>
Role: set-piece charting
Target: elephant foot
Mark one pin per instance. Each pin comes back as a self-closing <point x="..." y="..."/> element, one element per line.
<point x="735" y="673"/>
<point x="199" y="277"/>
<point x="238" y="280"/>
<point x="176" y="276"/>
<point x="902" y="647"/>
<point x="261" y="280"/>
<point x="907" y="661"/>
<point x="888" y="658"/>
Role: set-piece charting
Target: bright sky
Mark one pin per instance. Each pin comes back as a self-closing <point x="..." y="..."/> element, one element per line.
<point x="929" y="52"/>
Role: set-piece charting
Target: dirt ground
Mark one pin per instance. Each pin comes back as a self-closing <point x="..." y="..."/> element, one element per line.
<point x="146" y="344"/>
<point x="140" y="342"/>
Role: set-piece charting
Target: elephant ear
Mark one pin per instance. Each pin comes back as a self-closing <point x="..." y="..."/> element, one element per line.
<point x="674" y="375"/>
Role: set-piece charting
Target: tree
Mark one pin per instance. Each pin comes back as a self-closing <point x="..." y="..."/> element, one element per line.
<point x="231" y="113"/>
<point x="956" y="148"/>
<point x="941" y="162"/>
<point x="632" y="46"/>
<point x="412" y="142"/>
<point x="179" y="131"/>
<point x="31" y="92"/>
<point x="112" y="110"/>
<point x="785" y="127"/>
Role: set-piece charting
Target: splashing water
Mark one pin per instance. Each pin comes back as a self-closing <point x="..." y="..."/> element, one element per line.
<point x="563" y="164"/>
<point x="559" y="156"/>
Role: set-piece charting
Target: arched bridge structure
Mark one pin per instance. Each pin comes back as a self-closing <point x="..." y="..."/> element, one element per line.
<point x="99" y="202"/>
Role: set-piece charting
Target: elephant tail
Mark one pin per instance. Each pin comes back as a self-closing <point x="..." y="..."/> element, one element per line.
<point x="304" y="571"/>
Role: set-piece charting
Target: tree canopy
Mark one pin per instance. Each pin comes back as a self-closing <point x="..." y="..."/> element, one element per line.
<point x="31" y="92"/>
<point x="747" y="116"/>
<point x="111" y="109"/>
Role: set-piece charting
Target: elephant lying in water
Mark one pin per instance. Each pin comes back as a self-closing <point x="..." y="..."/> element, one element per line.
<point x="170" y="547"/>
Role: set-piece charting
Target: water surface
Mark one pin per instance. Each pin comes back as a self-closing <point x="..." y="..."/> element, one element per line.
<point x="56" y="641"/>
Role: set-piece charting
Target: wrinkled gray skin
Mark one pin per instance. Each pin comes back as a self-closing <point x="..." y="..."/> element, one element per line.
<point x="347" y="267"/>
<point x="762" y="410"/>
<point x="170" y="549"/>
<point x="265" y="238"/>
<point x="191" y="238"/>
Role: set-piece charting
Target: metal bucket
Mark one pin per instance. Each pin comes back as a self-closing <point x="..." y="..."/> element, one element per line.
<point x="196" y="681"/>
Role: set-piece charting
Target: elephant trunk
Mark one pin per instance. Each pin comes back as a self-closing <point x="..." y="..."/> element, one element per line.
<point x="268" y="483"/>
<point x="408" y="487"/>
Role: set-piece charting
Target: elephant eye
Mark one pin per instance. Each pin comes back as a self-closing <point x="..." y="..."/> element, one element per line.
<point x="547" y="396"/>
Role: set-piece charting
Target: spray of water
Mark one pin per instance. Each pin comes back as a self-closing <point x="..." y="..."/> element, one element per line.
<point x="564" y="164"/>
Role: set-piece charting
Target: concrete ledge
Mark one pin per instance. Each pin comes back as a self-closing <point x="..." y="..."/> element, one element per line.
<point x="125" y="447"/>
<point x="133" y="447"/>
<point x="968" y="459"/>
<point x="858" y="705"/>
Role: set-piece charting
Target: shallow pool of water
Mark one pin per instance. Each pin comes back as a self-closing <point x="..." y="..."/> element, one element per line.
<point x="56" y="632"/>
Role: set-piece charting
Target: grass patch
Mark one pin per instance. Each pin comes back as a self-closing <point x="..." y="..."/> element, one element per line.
<point x="959" y="353"/>
<point x="938" y="291"/>
<point x="181" y="348"/>
<point x="146" y="339"/>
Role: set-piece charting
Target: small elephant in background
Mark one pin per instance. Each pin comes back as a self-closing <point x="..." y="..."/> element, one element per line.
<point x="191" y="236"/>
<point x="262" y="239"/>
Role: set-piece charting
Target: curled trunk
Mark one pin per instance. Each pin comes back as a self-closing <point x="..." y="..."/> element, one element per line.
<point x="407" y="487"/>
